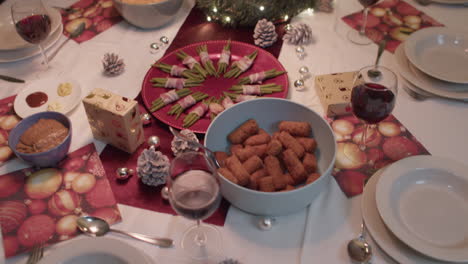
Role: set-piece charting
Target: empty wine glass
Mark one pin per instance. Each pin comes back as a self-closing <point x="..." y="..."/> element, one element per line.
<point x="32" y="22"/>
<point x="193" y="191"/>
<point x="359" y="37"/>
<point x="373" y="97"/>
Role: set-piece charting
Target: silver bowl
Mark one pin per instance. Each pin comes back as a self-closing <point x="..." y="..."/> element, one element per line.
<point x="148" y="16"/>
<point x="268" y="112"/>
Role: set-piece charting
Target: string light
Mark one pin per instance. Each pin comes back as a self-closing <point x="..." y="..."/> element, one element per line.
<point x="310" y="11"/>
<point x="286" y="17"/>
<point x="208" y="18"/>
<point x="262" y="8"/>
<point x="215" y="9"/>
<point x="228" y="19"/>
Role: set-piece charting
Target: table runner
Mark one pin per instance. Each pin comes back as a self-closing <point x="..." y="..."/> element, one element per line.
<point x="134" y="193"/>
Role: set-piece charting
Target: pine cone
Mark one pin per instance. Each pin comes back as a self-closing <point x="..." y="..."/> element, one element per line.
<point x="299" y="34"/>
<point x="112" y="64"/>
<point x="264" y="33"/>
<point x="153" y="167"/>
<point x="324" y="6"/>
<point x="179" y="146"/>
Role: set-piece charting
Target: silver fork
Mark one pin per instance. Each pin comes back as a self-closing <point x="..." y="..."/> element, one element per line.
<point x="36" y="254"/>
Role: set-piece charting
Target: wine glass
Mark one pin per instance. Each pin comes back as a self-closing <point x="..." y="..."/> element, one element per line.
<point x="373" y="96"/>
<point x="193" y="191"/>
<point x="32" y="22"/>
<point x="359" y="37"/>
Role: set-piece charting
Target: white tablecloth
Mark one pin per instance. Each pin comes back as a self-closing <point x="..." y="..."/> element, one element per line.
<point x="317" y="234"/>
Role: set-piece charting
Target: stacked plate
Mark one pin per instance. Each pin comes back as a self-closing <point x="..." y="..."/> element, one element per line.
<point x="416" y="210"/>
<point x="13" y="47"/>
<point x="434" y="62"/>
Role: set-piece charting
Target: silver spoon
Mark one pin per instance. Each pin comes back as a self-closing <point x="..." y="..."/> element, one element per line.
<point x="209" y="153"/>
<point x="95" y="226"/>
<point x="359" y="250"/>
<point x="374" y="73"/>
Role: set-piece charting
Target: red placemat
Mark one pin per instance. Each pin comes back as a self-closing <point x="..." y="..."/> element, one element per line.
<point x="387" y="142"/>
<point x="133" y="192"/>
<point x="42" y="205"/>
<point x="8" y="120"/>
<point x="98" y="16"/>
<point x="393" y="20"/>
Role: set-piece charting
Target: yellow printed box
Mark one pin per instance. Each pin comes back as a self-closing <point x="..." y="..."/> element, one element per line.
<point x="114" y="119"/>
<point x="334" y="91"/>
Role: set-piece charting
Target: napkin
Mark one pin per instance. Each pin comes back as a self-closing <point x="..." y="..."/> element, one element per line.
<point x="392" y="20"/>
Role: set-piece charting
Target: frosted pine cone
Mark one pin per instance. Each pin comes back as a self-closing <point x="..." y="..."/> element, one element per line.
<point x="179" y="146"/>
<point x="299" y="34"/>
<point x="324" y="6"/>
<point x="153" y="167"/>
<point x="112" y="64"/>
<point x="264" y="33"/>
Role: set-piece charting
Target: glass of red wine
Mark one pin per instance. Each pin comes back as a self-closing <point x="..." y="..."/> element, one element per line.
<point x="373" y="97"/>
<point x="193" y="191"/>
<point x="359" y="37"/>
<point x="32" y="22"/>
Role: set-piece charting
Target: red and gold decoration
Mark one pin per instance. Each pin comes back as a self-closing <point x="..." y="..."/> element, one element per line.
<point x="42" y="205"/>
<point x="386" y="143"/>
<point x="392" y="20"/>
<point x="8" y="120"/>
<point x="97" y="16"/>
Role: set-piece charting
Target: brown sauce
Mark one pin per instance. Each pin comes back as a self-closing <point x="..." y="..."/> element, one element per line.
<point x="36" y="99"/>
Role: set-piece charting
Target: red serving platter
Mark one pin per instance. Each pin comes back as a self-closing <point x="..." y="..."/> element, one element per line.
<point x="212" y="86"/>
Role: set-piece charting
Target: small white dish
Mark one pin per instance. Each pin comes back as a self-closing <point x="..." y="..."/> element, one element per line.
<point x="388" y="242"/>
<point x="432" y="85"/>
<point x="49" y="86"/>
<point x="95" y="250"/>
<point x="439" y="52"/>
<point x="423" y="200"/>
<point x="21" y="54"/>
<point x="10" y="38"/>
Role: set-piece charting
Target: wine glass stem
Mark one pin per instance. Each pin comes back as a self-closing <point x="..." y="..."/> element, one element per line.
<point x="46" y="60"/>
<point x="362" y="146"/>
<point x="200" y="238"/>
<point x="362" y="31"/>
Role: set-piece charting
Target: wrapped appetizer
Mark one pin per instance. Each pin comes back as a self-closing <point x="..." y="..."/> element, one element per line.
<point x="240" y="97"/>
<point x="240" y="66"/>
<point x="223" y="62"/>
<point x="177" y="71"/>
<point x="177" y="83"/>
<point x="196" y="113"/>
<point x="207" y="63"/>
<point x="191" y="63"/>
<point x="186" y="102"/>
<point x="256" y="89"/>
<point x="259" y="77"/>
<point x="169" y="97"/>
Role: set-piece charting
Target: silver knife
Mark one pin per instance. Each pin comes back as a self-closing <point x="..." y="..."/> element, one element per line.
<point x="11" y="79"/>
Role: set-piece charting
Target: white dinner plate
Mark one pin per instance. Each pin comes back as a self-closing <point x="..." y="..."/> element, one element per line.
<point x="99" y="250"/>
<point x="423" y="200"/>
<point x="21" y="54"/>
<point x="388" y="242"/>
<point x="440" y="52"/>
<point x="10" y="38"/>
<point x="451" y="2"/>
<point x="434" y="86"/>
<point x="49" y="86"/>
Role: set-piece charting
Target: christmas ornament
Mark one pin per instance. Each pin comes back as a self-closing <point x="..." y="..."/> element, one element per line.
<point x="324" y="6"/>
<point x="68" y="178"/>
<point x="28" y="233"/>
<point x="146" y="119"/>
<point x="101" y="195"/>
<point x="304" y="72"/>
<point x="229" y="261"/>
<point x="5" y="153"/>
<point x="343" y="127"/>
<point x="165" y="193"/>
<point x="63" y="202"/>
<point x="66" y="226"/>
<point x="300" y="34"/>
<point x="110" y="215"/>
<point x="300" y="52"/>
<point x="9" y="122"/>
<point x="83" y="182"/>
<point x="72" y="164"/>
<point x="154" y="141"/>
<point x="10" y="184"/>
<point x="10" y="245"/>
<point x="153" y="167"/>
<point x="374" y="155"/>
<point x="12" y="214"/>
<point x="94" y="166"/>
<point x="36" y="206"/>
<point x="123" y="173"/>
<point x="389" y="129"/>
<point x="264" y="33"/>
<point x="373" y="137"/>
<point x="397" y="148"/>
<point x="112" y="64"/>
<point x="266" y="223"/>
<point x="349" y="156"/>
<point x="351" y="182"/>
<point x="43" y="183"/>
<point x="179" y="145"/>
<point x="164" y="40"/>
<point x="299" y="85"/>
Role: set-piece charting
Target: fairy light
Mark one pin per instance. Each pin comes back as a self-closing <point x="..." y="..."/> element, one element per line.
<point x="262" y="8"/>
<point x="286" y="17"/>
<point x="215" y="9"/>
<point x="208" y="18"/>
<point x="310" y="11"/>
<point x="228" y="19"/>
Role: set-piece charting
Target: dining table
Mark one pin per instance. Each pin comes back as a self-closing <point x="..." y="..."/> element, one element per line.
<point x="317" y="234"/>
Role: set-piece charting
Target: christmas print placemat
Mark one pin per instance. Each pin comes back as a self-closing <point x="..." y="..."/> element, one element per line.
<point x="387" y="142"/>
<point x="8" y="120"/>
<point x="42" y="205"/>
<point x="97" y="15"/>
<point x="392" y="20"/>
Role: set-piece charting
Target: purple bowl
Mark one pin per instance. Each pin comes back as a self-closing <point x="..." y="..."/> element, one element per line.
<point x="46" y="158"/>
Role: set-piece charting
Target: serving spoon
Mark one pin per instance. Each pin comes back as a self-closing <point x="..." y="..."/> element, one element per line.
<point x="95" y="226"/>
